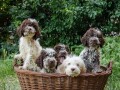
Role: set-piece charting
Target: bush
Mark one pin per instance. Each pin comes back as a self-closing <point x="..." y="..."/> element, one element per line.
<point x="66" y="21"/>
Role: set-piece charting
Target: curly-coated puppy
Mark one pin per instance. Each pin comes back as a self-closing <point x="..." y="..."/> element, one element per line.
<point x="47" y="60"/>
<point x="92" y="40"/>
<point x="62" y="52"/>
<point x="29" y="46"/>
<point x="72" y="66"/>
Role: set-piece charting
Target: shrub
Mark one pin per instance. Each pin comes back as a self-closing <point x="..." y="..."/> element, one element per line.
<point x="65" y="21"/>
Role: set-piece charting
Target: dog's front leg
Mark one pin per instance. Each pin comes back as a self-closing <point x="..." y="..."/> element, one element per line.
<point x="26" y="61"/>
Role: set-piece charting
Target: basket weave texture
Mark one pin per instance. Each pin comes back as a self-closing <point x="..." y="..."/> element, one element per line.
<point x="30" y="80"/>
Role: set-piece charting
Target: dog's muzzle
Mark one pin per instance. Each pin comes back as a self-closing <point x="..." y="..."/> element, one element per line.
<point x="52" y="63"/>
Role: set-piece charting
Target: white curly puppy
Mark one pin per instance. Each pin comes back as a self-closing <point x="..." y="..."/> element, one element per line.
<point x="72" y="66"/>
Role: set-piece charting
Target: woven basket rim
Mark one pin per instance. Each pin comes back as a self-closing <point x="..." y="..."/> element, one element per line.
<point x="108" y="71"/>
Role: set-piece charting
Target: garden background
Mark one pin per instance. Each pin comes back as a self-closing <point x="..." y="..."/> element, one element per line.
<point x="63" y="21"/>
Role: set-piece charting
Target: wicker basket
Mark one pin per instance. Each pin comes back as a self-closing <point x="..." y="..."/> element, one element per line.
<point x="38" y="81"/>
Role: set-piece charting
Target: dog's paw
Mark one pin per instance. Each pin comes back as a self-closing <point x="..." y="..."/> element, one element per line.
<point x="17" y="57"/>
<point x="20" y="67"/>
<point x="23" y="68"/>
<point x="36" y="69"/>
<point x="97" y="70"/>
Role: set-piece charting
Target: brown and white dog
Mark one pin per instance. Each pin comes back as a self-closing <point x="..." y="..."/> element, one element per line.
<point x="62" y="52"/>
<point x="29" y="46"/>
<point x="47" y="60"/>
<point x="92" y="40"/>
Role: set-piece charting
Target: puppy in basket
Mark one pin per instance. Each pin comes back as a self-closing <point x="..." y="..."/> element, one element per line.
<point x="47" y="60"/>
<point x="92" y="40"/>
<point x="72" y="66"/>
<point x="62" y="51"/>
<point x="29" y="46"/>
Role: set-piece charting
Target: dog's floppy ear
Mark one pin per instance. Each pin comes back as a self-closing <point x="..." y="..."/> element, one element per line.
<point x="68" y="49"/>
<point x="86" y="36"/>
<point x="57" y="47"/>
<point x="101" y="37"/>
<point x="20" y="29"/>
<point x="39" y="60"/>
<point x="84" y="40"/>
<point x="83" y="69"/>
<point x="102" y="41"/>
<point x="61" y="69"/>
<point x="38" y="30"/>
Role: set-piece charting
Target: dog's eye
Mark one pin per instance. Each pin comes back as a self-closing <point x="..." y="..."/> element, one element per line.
<point x="68" y="63"/>
<point x="93" y="61"/>
<point x="77" y="64"/>
<point x="47" y="55"/>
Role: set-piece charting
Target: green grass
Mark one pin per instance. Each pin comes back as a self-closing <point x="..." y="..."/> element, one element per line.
<point x="110" y="51"/>
<point x="8" y="79"/>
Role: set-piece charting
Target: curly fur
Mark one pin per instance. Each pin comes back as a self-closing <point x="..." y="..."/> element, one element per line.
<point x="92" y="40"/>
<point x="29" y="46"/>
<point x="62" y="51"/>
<point x="72" y="66"/>
<point x="47" y="60"/>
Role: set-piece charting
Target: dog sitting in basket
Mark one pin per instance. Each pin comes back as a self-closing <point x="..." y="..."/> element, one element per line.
<point x="47" y="60"/>
<point x="68" y="64"/>
<point x="92" y="40"/>
<point x="72" y="66"/>
<point x="29" y="46"/>
<point x="62" y="51"/>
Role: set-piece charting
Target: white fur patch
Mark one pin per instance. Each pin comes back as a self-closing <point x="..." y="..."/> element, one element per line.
<point x="29" y="31"/>
<point x="32" y="20"/>
<point x="29" y="50"/>
<point x="72" y="66"/>
<point x="50" y="51"/>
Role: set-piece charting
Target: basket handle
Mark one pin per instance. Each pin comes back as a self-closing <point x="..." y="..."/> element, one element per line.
<point x="109" y="67"/>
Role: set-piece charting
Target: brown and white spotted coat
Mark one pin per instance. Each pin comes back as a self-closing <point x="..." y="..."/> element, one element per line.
<point x="92" y="40"/>
<point x="47" y="60"/>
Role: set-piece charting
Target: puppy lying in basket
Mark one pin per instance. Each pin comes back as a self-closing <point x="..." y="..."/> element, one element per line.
<point x="72" y="66"/>
<point x="47" y="60"/>
<point x="29" y="46"/>
<point x="92" y="40"/>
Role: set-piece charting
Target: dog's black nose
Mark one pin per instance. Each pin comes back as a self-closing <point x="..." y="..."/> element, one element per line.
<point x="30" y="29"/>
<point x="73" y="69"/>
<point x="52" y="62"/>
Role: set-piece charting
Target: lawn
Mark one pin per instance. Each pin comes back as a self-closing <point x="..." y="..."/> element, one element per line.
<point x="8" y="78"/>
<point x="110" y="51"/>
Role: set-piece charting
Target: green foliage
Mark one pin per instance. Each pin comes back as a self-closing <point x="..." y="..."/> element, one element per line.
<point x="62" y="21"/>
<point x="8" y="79"/>
<point x="8" y="49"/>
<point x="6" y="68"/>
<point x="65" y="21"/>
